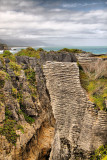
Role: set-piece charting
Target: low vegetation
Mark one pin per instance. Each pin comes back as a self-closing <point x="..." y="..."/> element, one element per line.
<point x="30" y="74"/>
<point x="19" y="96"/>
<point x="96" y="88"/>
<point x="15" y="67"/>
<point x="29" y="119"/>
<point x="9" y="127"/>
<point x="70" y="50"/>
<point x="17" y="93"/>
<point x="102" y="56"/>
<point x="14" y="92"/>
<point x="2" y="78"/>
<point x="100" y="153"/>
<point x="19" y="127"/>
<point x="30" y="52"/>
<point x="2" y="97"/>
<point x="9" y="55"/>
<point x="8" y="130"/>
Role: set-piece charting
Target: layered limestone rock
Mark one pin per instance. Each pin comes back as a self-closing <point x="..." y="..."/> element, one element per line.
<point x="80" y="129"/>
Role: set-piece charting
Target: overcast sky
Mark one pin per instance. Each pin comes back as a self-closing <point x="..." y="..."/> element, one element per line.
<point x="53" y="22"/>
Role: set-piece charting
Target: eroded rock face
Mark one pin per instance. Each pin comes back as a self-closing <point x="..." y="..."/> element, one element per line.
<point x="40" y="144"/>
<point x="80" y="129"/>
<point x="34" y="143"/>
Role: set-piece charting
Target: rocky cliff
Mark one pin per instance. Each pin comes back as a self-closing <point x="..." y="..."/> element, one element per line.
<point x="44" y="111"/>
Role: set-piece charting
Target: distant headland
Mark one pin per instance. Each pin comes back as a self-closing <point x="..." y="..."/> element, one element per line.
<point x="4" y="47"/>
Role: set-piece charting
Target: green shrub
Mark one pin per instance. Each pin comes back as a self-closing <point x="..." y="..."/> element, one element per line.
<point x="19" y="127"/>
<point x="16" y="68"/>
<point x="7" y="53"/>
<point x="1" y="104"/>
<point x="2" y="96"/>
<point x="99" y="101"/>
<point x="30" y="52"/>
<point x="8" y="113"/>
<point x="30" y="74"/>
<point x="19" y="111"/>
<point x="30" y="49"/>
<point x="28" y="118"/>
<point x="9" y="127"/>
<point x="92" y="86"/>
<point x="102" y="56"/>
<point x="70" y="50"/>
<point x="105" y="158"/>
<point x="96" y="89"/>
<point x="7" y="76"/>
<point x="2" y="59"/>
<point x="14" y="92"/>
<point x="19" y="96"/>
<point x="2" y="82"/>
<point x="33" y="90"/>
<point x="100" y="153"/>
<point x="40" y="49"/>
<point x="84" y="79"/>
<point x="2" y="75"/>
<point x="9" y="132"/>
<point x="2" y="78"/>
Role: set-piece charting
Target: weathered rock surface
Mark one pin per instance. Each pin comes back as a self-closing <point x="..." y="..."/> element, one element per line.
<point x="80" y="129"/>
<point x="35" y="141"/>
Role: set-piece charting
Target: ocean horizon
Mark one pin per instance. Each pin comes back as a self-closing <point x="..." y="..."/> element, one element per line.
<point x="92" y="49"/>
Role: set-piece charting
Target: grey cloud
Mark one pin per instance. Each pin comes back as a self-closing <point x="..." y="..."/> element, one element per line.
<point x="46" y="21"/>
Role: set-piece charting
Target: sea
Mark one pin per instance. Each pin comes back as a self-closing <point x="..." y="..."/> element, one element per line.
<point x="92" y="49"/>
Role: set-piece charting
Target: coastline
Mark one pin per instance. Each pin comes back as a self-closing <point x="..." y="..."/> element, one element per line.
<point x="93" y="49"/>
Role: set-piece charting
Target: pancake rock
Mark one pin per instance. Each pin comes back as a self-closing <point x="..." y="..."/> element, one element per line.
<point x="80" y="129"/>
